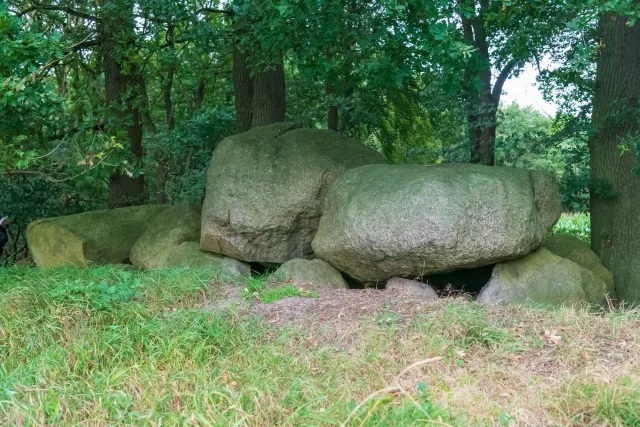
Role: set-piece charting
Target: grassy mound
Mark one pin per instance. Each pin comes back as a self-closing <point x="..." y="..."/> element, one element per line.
<point x="107" y="346"/>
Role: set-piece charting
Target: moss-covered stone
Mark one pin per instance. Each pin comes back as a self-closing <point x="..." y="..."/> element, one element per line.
<point x="381" y="221"/>
<point x="574" y="249"/>
<point x="539" y="278"/>
<point x="164" y="234"/>
<point x="266" y="187"/>
<point x="189" y="254"/>
<point x="101" y="237"/>
<point x="312" y="272"/>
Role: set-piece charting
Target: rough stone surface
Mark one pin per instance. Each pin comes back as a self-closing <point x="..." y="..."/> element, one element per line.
<point x="101" y="237"/>
<point x="164" y="234"/>
<point x="189" y="254"/>
<point x="382" y="221"/>
<point x="539" y="278"/>
<point x="411" y="288"/>
<point x="314" y="272"/>
<point x="265" y="190"/>
<point x="574" y="249"/>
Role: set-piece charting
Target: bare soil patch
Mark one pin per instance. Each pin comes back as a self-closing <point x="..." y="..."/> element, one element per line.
<point x="339" y="307"/>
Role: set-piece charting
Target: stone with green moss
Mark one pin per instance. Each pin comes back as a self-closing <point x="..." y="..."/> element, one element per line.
<point x="100" y="237"/>
<point x="189" y="254"/>
<point x="266" y="188"/>
<point x="177" y="224"/>
<point x="539" y="278"/>
<point x="383" y="221"/>
<point x="311" y="272"/>
<point x="574" y="249"/>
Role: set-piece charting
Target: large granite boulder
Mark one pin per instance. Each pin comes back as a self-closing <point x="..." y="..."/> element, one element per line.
<point x="574" y="249"/>
<point x="100" y="237"/>
<point x="382" y="221"/>
<point x="541" y="278"/>
<point x="177" y="224"/>
<point x="189" y="255"/>
<point x="266" y="187"/>
<point x="311" y="272"/>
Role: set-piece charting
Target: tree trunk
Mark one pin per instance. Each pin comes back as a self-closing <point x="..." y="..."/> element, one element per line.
<point x="482" y="122"/>
<point x="61" y="72"/>
<point x="243" y="90"/>
<point x="145" y="112"/>
<point x="332" y="114"/>
<point x="269" y="98"/>
<point x="199" y="94"/>
<point x="124" y="188"/>
<point x="168" y="83"/>
<point x="615" y="186"/>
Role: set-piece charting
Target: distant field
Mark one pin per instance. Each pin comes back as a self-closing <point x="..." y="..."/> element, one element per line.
<point x="105" y="346"/>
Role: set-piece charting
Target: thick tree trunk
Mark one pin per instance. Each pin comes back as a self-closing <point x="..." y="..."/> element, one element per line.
<point x="482" y="114"/>
<point x="243" y="90"/>
<point x="121" y="90"/>
<point x="615" y="186"/>
<point x="269" y="97"/>
<point x="482" y="122"/>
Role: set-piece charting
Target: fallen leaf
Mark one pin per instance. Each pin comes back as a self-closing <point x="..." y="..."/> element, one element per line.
<point x="552" y="337"/>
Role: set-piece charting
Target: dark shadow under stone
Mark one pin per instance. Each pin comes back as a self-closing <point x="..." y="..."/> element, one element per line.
<point x="469" y="281"/>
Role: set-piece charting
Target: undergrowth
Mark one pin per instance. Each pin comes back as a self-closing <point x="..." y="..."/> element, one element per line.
<point x="578" y="225"/>
<point x="107" y="346"/>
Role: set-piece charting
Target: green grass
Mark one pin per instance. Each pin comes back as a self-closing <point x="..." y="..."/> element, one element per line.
<point x="105" y="346"/>
<point x="578" y="225"/>
<point x="260" y="287"/>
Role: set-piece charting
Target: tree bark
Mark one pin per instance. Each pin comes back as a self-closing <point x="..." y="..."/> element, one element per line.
<point x="120" y="89"/>
<point x="483" y="104"/>
<point x="615" y="186"/>
<point x="482" y="120"/>
<point x="61" y="72"/>
<point x="243" y="90"/>
<point x="332" y="113"/>
<point x="168" y="82"/>
<point x="199" y="94"/>
<point x="269" y="98"/>
<point x="145" y="112"/>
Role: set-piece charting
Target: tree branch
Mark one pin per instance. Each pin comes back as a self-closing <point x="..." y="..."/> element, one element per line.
<point x="211" y="10"/>
<point x="65" y="9"/>
<point x="502" y="78"/>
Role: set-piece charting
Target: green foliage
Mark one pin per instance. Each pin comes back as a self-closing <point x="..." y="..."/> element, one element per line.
<point x="525" y="138"/>
<point x="184" y="153"/>
<point x="102" y="295"/>
<point x="578" y="225"/>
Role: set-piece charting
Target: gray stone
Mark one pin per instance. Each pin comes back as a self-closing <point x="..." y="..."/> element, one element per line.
<point x="97" y="237"/>
<point x="539" y="278"/>
<point x="177" y="224"/>
<point x="411" y="288"/>
<point x="189" y="254"/>
<point x="382" y="221"/>
<point x="266" y="187"/>
<point x="311" y="272"/>
<point x="574" y="249"/>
